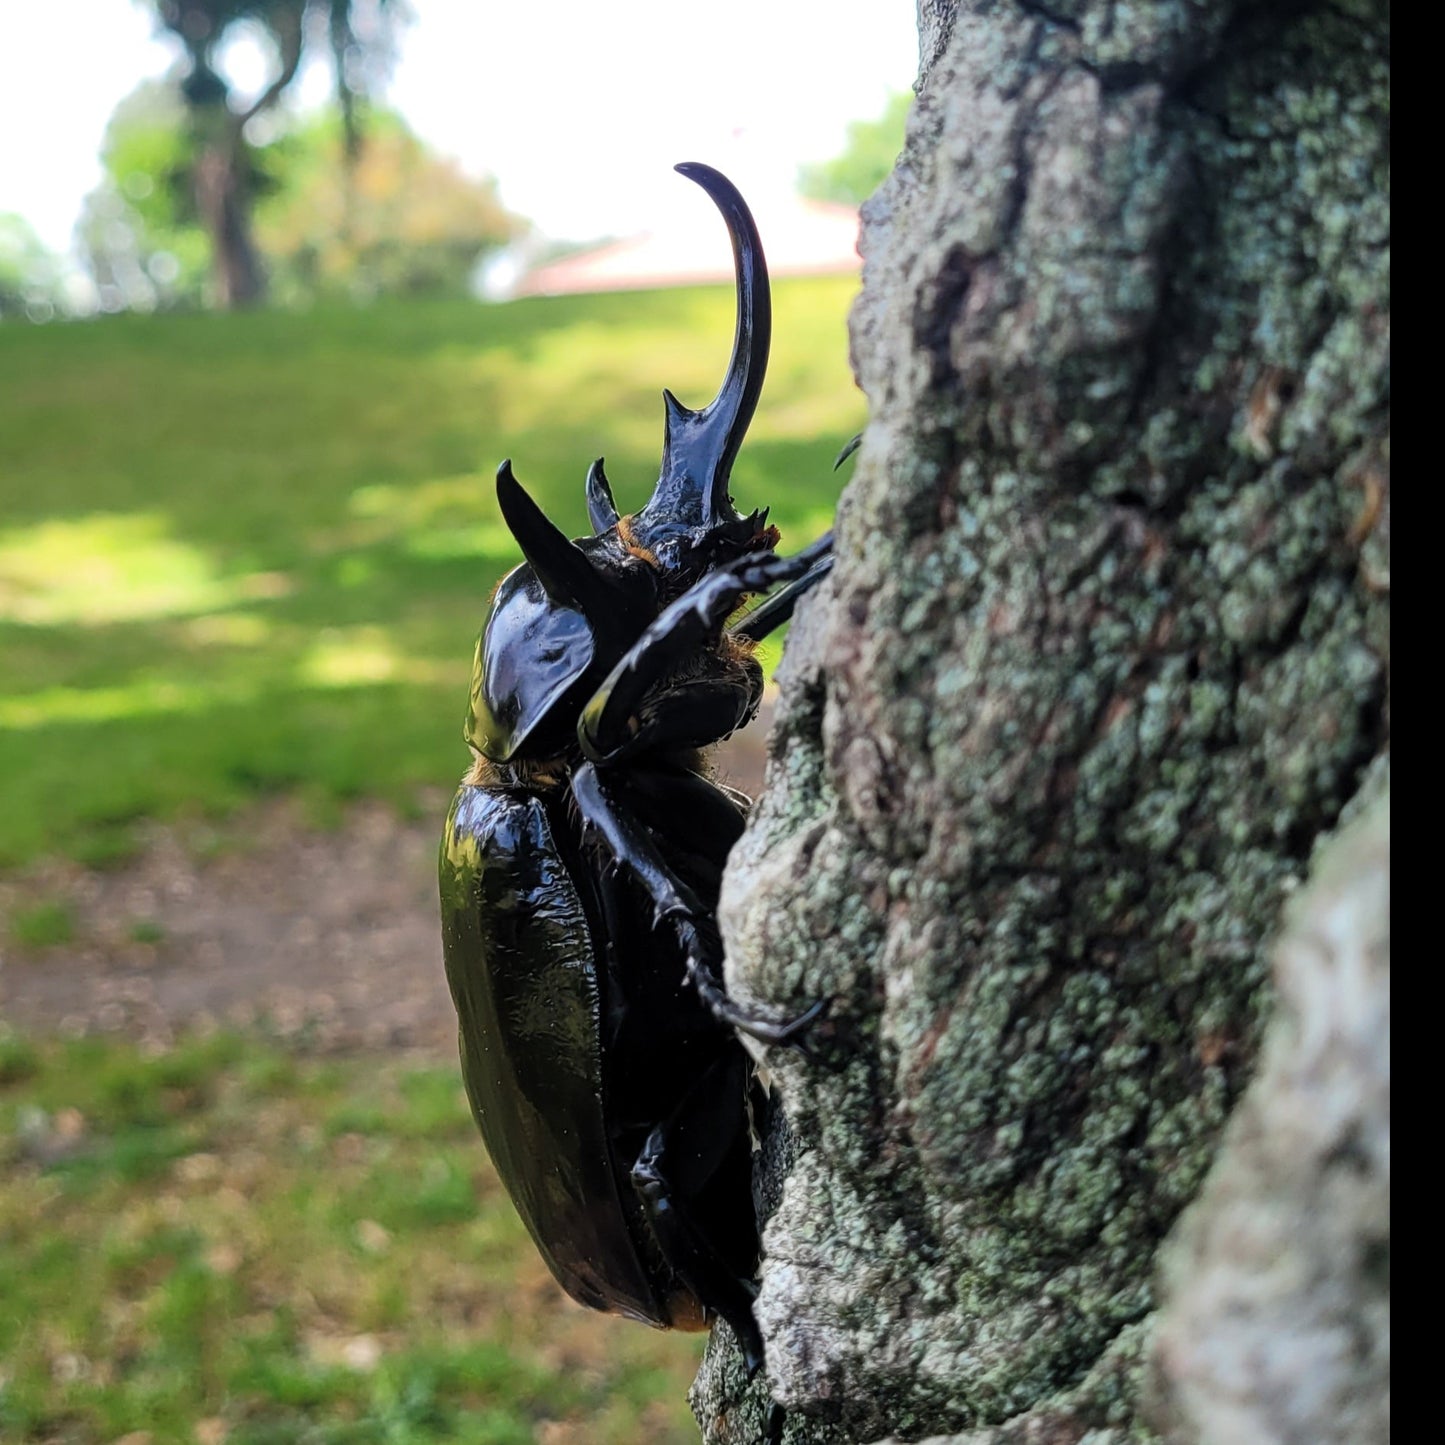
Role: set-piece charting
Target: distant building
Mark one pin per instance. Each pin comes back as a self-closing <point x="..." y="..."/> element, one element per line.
<point x="800" y="238"/>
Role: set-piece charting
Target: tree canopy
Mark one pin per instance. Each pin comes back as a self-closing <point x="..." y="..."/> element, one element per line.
<point x="359" y="35"/>
<point x="397" y="219"/>
<point x="29" y="272"/>
<point x="868" y="156"/>
<point x="401" y="220"/>
<point x="139" y="230"/>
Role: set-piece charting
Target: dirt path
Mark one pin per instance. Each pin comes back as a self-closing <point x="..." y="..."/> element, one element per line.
<point x="325" y="938"/>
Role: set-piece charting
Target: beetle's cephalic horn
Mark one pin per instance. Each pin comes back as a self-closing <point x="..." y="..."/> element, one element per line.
<point x="561" y="566"/>
<point x="699" y="446"/>
<point x="600" y="506"/>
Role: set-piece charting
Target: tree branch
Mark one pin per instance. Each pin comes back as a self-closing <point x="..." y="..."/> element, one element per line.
<point x="286" y="24"/>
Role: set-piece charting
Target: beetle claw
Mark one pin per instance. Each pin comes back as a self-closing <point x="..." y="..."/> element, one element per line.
<point x="852" y="446"/>
<point x="792" y="1034"/>
<point x="801" y="1026"/>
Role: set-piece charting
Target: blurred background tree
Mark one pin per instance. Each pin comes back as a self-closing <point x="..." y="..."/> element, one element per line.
<point x="395" y="220"/>
<point x="218" y="158"/>
<point x="138" y="229"/>
<point x="29" y="272"/>
<point x="868" y="156"/>
<point x="387" y="218"/>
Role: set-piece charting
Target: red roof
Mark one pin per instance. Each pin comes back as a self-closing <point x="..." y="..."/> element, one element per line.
<point x="800" y="238"/>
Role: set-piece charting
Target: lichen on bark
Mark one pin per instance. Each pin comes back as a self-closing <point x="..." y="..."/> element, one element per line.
<point x="1275" y="1312"/>
<point x="1104" y="654"/>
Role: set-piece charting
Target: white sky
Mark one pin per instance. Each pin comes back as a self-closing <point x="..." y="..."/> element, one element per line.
<point x="579" y="107"/>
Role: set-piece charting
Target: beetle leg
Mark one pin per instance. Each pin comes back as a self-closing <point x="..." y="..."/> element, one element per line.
<point x="779" y="607"/>
<point x="792" y="1033"/>
<point x="675" y="903"/>
<point x="691" y="714"/>
<point x="656" y="796"/>
<point x="773" y="1428"/>
<point x="691" y="623"/>
<point x="672" y="1175"/>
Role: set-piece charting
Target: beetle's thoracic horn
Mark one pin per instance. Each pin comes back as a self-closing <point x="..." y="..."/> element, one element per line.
<point x="699" y="446"/>
<point x="600" y="507"/>
<point x="561" y="566"/>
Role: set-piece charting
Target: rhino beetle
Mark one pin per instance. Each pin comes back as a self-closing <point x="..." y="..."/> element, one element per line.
<point x="583" y="855"/>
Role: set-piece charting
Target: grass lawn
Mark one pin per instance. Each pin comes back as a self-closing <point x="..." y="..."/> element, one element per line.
<point x="248" y="554"/>
<point x="226" y="1243"/>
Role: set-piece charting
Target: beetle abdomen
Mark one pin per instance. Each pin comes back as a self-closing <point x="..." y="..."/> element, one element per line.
<point x="519" y="961"/>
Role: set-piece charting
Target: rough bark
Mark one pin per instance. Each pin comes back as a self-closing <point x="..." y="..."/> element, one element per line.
<point x="1104" y="657"/>
<point x="1275" y="1318"/>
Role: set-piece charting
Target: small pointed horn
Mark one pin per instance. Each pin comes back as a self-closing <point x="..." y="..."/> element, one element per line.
<point x="699" y="447"/>
<point x="600" y="507"/>
<point x="561" y="566"/>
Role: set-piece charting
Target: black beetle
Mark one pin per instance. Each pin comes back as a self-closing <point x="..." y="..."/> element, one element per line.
<point x="583" y="854"/>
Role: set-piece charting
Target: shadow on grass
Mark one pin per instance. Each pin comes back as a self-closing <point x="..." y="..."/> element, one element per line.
<point x="252" y="553"/>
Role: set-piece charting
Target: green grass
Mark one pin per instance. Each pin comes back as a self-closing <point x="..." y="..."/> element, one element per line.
<point x="226" y="1242"/>
<point x="250" y="554"/>
<point x="43" y="924"/>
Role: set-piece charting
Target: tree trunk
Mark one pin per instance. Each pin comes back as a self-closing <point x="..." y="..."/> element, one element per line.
<point x="221" y="188"/>
<point x="223" y="204"/>
<point x="1102" y="666"/>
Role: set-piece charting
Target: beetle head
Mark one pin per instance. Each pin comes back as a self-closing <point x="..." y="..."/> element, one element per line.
<point x="572" y="610"/>
<point x="576" y="607"/>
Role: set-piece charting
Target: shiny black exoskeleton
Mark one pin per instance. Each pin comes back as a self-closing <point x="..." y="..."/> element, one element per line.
<point x="583" y="855"/>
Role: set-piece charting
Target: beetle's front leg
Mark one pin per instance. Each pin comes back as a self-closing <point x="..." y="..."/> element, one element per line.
<point x="611" y="729"/>
<point x="596" y="791"/>
<point x="780" y="606"/>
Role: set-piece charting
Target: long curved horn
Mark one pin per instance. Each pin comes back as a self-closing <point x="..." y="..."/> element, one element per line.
<point x="699" y="447"/>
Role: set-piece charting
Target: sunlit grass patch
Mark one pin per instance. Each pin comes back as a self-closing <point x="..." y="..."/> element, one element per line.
<point x="111" y="567"/>
<point x="226" y="1241"/>
<point x="145" y="697"/>
<point x="231" y="629"/>
<point x="451" y="517"/>
<point x="252" y="553"/>
<point x="358" y="656"/>
<point x="101" y="568"/>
